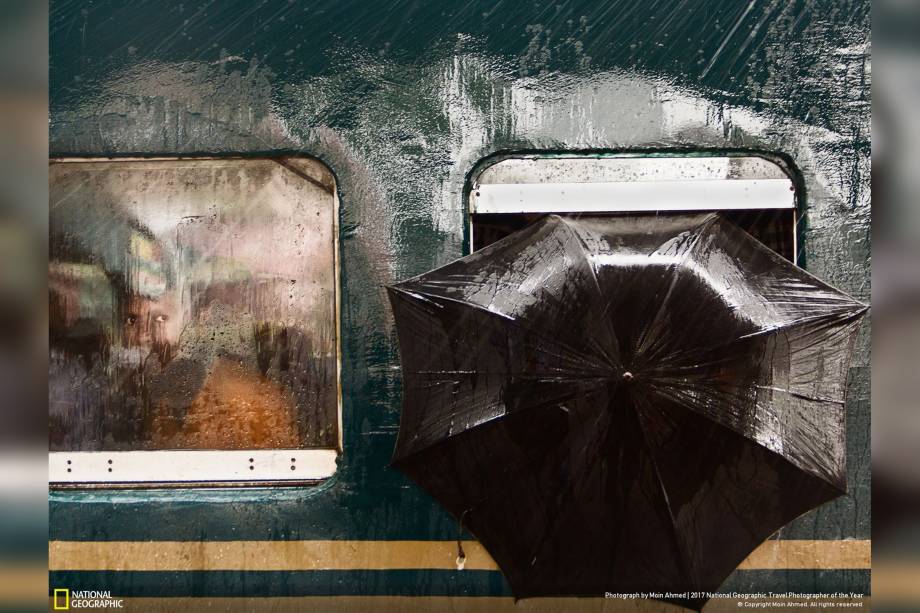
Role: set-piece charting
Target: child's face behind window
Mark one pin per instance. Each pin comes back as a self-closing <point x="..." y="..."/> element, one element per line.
<point x="151" y="326"/>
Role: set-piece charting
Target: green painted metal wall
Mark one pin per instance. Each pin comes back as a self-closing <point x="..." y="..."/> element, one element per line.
<point x="401" y="99"/>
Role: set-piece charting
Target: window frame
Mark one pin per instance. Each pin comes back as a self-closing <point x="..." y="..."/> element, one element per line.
<point x="529" y="183"/>
<point x="144" y="469"/>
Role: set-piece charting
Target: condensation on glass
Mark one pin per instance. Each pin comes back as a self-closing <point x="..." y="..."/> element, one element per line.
<point x="192" y="306"/>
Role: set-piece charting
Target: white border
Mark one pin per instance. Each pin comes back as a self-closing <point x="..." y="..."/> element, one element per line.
<point x="111" y="467"/>
<point x="705" y="195"/>
<point x="587" y="183"/>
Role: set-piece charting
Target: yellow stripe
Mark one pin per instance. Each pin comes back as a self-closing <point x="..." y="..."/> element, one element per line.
<point x="264" y="555"/>
<point x="810" y="554"/>
<point x="377" y="555"/>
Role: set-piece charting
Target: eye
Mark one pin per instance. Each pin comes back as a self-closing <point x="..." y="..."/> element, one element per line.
<point x="161" y="318"/>
<point x="130" y="320"/>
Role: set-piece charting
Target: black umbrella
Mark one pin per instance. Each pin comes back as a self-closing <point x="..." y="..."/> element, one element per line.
<point x="624" y="404"/>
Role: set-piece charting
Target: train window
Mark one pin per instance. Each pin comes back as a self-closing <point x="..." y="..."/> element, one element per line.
<point x="509" y="192"/>
<point x="193" y="320"/>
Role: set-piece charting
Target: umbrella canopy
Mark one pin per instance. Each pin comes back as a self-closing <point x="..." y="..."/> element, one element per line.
<point x="623" y="404"/>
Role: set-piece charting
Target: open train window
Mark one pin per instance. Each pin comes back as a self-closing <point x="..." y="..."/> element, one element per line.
<point x="508" y="192"/>
<point x="193" y="320"/>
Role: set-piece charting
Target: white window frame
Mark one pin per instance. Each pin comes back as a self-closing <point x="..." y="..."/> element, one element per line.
<point x="618" y="183"/>
<point x="208" y="468"/>
<point x="174" y="467"/>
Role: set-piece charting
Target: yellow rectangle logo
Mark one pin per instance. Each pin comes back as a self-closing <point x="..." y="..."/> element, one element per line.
<point x="66" y="595"/>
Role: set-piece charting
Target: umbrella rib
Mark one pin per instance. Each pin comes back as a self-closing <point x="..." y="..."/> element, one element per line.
<point x="597" y="285"/>
<point x="776" y="257"/>
<point x="548" y="402"/>
<point x="683" y="557"/>
<point x="521" y="374"/>
<point x="573" y="352"/>
<point x="840" y="318"/>
<point x="695" y="385"/>
<point x="800" y="394"/>
<point x="569" y="490"/>
<point x="689" y="407"/>
<point x="667" y="363"/>
<point x="641" y="345"/>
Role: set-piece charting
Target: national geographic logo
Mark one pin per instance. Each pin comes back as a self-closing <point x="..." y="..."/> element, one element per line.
<point x="61" y="599"/>
<point x="66" y="599"/>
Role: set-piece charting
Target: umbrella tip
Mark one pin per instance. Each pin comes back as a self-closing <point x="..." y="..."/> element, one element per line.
<point x="628" y="376"/>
